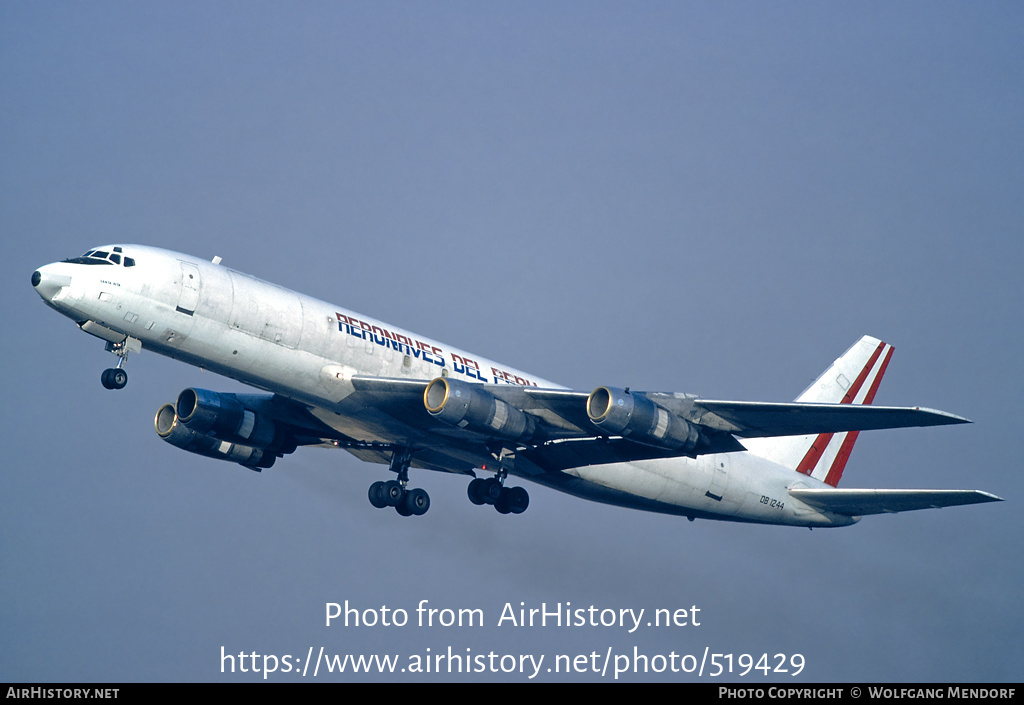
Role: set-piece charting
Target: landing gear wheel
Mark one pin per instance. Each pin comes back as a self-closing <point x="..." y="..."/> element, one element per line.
<point x="114" y="378"/>
<point x="376" y="495"/>
<point x="482" y="491"/>
<point x="416" y="502"/>
<point x="476" y="491"/>
<point x="491" y="490"/>
<point x="392" y="493"/>
<point x="513" y="500"/>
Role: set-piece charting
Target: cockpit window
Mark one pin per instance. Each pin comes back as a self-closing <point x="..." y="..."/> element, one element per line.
<point x="101" y="257"/>
<point x="87" y="260"/>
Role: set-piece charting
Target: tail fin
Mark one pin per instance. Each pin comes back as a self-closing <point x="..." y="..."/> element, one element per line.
<point x="852" y="379"/>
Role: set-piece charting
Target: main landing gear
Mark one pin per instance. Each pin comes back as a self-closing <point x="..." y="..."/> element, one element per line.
<point x="507" y="500"/>
<point x="416" y="502"/>
<point x="393" y="493"/>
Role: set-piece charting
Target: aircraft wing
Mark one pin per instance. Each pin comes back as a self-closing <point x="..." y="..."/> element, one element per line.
<point x="561" y="416"/>
<point x="565" y="437"/>
<point x="749" y="419"/>
<point x="864" y="502"/>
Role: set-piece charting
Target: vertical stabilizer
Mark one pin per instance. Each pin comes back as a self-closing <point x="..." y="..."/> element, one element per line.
<point x="852" y="379"/>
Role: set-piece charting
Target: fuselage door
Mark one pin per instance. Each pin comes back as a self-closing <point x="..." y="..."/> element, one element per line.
<point x="188" y="299"/>
<point x="719" y="478"/>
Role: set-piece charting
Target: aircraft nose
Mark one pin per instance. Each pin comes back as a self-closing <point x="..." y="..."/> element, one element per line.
<point x="48" y="283"/>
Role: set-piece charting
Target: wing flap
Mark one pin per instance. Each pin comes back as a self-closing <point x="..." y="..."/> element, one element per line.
<point x="854" y="502"/>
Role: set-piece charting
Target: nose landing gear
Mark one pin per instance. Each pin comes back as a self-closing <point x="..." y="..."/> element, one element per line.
<point x="117" y="377"/>
<point x="114" y="378"/>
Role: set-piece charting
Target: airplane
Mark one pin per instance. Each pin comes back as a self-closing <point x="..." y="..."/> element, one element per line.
<point x="338" y="379"/>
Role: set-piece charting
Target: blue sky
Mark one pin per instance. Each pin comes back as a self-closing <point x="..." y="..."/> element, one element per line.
<point x="712" y="198"/>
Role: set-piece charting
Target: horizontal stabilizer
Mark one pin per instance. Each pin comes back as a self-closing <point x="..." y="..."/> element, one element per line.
<point x="751" y="419"/>
<point x="863" y="502"/>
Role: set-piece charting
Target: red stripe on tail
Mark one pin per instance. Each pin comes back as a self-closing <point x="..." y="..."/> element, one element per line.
<point x="817" y="449"/>
<point x="835" y="473"/>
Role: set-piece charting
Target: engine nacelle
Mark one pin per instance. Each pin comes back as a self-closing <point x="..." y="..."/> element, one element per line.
<point x="636" y="417"/>
<point x="170" y="428"/>
<point x="226" y="418"/>
<point x="467" y="405"/>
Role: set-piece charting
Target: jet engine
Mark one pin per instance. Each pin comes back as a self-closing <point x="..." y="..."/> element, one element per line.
<point x="231" y="418"/>
<point x="469" y="406"/>
<point x="639" y="419"/>
<point x="171" y="429"/>
<point x="224" y="426"/>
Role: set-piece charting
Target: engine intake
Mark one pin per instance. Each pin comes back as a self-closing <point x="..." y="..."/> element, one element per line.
<point x="469" y="406"/>
<point x="636" y="417"/>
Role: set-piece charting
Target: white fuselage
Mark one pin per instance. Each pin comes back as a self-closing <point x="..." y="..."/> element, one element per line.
<point x="308" y="350"/>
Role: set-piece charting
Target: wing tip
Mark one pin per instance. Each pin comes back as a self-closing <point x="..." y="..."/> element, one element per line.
<point x="943" y="417"/>
<point x="989" y="497"/>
